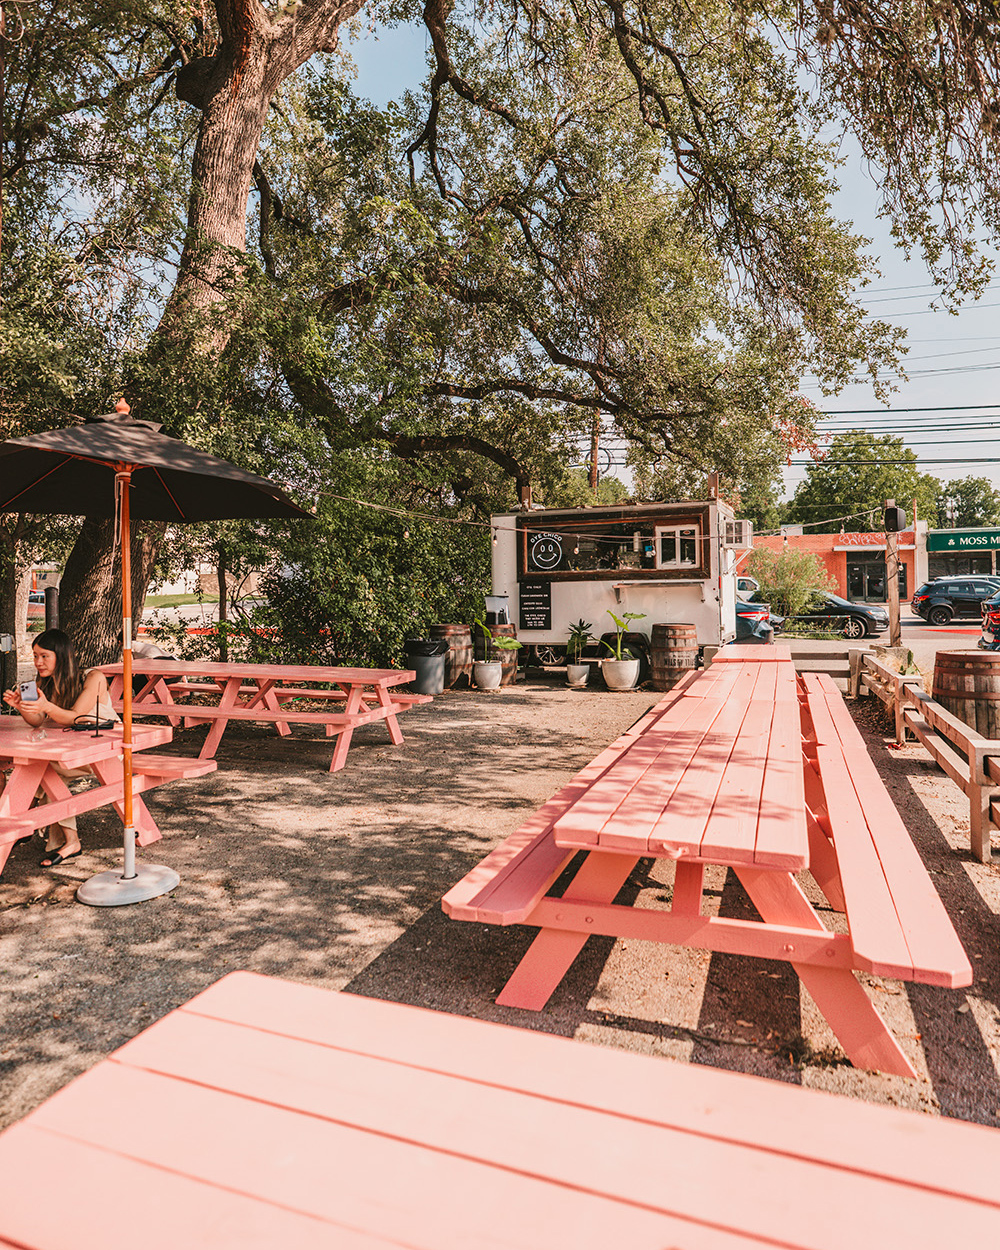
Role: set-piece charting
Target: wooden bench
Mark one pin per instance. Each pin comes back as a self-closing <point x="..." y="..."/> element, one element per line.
<point x="898" y="924"/>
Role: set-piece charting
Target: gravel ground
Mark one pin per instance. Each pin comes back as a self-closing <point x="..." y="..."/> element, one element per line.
<point x="336" y="880"/>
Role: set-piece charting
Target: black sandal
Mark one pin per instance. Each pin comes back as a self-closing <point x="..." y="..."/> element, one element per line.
<point x="52" y="859"/>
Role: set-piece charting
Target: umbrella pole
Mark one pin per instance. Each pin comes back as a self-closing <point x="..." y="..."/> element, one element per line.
<point x="126" y="546"/>
<point x="131" y="885"/>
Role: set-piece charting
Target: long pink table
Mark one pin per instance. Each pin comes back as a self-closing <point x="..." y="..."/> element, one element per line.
<point x="747" y="767"/>
<point x="268" y="1114"/>
<point x="32" y="767"/>
<point x="268" y="692"/>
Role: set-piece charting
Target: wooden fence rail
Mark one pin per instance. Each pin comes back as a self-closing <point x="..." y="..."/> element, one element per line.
<point x="969" y="759"/>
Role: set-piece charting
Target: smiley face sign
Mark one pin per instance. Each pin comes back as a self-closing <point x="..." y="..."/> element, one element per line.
<point x="545" y="551"/>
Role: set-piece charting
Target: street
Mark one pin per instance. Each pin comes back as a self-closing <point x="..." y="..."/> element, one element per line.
<point x="926" y="640"/>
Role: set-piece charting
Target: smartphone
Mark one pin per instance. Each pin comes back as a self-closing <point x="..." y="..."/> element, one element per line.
<point x="29" y="691"/>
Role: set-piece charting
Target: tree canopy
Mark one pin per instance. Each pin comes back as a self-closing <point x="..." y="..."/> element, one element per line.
<point x="586" y="209"/>
<point x="967" y="501"/>
<point x="858" y="471"/>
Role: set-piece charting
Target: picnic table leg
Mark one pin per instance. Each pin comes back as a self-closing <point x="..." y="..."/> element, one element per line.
<point x="21" y="787"/>
<point x="352" y="706"/>
<point x="689" y="880"/>
<point x="265" y="696"/>
<point x="110" y="771"/>
<point x="548" y="958"/>
<point x="385" y="700"/>
<point x="230" y="696"/>
<point x="840" y="997"/>
<point x="151" y="697"/>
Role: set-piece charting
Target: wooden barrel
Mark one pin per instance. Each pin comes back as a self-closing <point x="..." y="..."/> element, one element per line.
<point x="673" y="653"/>
<point x="458" y="661"/>
<point x="967" y="683"/>
<point x="508" y="659"/>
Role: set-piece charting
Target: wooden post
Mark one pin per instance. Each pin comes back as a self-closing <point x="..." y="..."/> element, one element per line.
<point x="892" y="574"/>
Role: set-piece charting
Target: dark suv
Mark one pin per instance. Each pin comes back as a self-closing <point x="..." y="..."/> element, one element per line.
<point x="938" y="601"/>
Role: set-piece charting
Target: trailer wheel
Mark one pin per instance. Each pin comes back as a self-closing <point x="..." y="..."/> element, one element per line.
<point x="545" y="656"/>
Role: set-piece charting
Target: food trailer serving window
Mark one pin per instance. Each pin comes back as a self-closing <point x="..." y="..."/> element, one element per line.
<point x="584" y="547"/>
<point x="677" y="547"/>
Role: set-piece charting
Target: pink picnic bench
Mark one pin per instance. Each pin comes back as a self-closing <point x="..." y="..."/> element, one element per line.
<point x="733" y="768"/>
<point x="32" y="768"/>
<point x="266" y="1114"/>
<point x="269" y="693"/>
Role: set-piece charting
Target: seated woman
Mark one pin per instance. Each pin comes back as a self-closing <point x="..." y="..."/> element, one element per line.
<point x="64" y="695"/>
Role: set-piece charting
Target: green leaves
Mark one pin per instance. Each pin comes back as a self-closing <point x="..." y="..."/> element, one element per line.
<point x="621" y="626"/>
<point x="857" y="473"/>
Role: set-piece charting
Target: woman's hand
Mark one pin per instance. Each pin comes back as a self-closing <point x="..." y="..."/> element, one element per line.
<point x="28" y="708"/>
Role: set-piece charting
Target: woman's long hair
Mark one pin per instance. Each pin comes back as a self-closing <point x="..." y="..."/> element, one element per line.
<point x="65" y="685"/>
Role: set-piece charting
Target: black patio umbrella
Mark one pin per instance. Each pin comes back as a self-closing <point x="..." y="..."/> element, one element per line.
<point x="116" y="466"/>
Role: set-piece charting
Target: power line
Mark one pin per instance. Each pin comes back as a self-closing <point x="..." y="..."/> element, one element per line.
<point x="860" y="412"/>
<point x="918" y="460"/>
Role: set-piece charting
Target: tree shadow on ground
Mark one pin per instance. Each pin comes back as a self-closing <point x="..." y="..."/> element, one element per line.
<point x="286" y="869"/>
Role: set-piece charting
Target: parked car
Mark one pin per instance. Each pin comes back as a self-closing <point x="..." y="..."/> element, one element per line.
<point x="36" y="603"/>
<point x="990" y="608"/>
<point x="938" y="601"/>
<point x="854" y="620"/>
<point x="747" y="586"/>
<point x="755" y="622"/>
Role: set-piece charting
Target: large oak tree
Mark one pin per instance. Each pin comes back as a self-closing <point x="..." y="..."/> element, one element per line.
<point x="590" y="208"/>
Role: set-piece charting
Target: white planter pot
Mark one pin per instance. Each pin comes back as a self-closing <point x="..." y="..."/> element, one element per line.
<point x="620" y="674"/>
<point x="487" y="674"/>
<point x="576" y="675"/>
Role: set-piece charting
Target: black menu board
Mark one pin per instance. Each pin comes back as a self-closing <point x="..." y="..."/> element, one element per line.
<point x="535" y="604"/>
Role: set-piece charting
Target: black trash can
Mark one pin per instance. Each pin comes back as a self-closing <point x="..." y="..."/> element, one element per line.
<point x="426" y="656"/>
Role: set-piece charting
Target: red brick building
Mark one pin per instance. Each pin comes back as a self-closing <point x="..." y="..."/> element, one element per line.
<point x="856" y="562"/>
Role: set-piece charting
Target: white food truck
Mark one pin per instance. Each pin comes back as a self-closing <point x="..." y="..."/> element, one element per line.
<point x="672" y="562"/>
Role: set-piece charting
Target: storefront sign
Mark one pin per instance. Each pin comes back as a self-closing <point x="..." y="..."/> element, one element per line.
<point x="875" y="540"/>
<point x="535" y="605"/>
<point x="964" y="540"/>
<point x="545" y="551"/>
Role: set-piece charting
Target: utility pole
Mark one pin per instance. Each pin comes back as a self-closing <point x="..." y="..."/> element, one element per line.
<point x="595" y="438"/>
<point x="892" y="574"/>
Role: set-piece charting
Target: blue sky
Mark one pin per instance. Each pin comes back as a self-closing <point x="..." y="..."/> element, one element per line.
<point x="953" y="361"/>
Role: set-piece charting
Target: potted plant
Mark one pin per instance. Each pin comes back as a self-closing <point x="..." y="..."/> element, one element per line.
<point x="488" y="672"/>
<point x="622" y="671"/>
<point x="579" y="637"/>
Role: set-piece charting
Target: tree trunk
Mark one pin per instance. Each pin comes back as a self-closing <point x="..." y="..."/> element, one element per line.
<point x="220" y="572"/>
<point x="90" y="595"/>
<point x="233" y="90"/>
<point x="13" y="599"/>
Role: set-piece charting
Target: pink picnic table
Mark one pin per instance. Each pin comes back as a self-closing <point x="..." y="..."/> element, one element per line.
<point x="269" y="693"/>
<point x="32" y="766"/>
<point x="264" y="1113"/>
<point x="748" y="767"/>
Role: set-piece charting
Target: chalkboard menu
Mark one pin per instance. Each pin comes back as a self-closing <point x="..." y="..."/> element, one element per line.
<point x="535" y="601"/>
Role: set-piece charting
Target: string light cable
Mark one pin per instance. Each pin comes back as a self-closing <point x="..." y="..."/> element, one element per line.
<point x="507" y="529"/>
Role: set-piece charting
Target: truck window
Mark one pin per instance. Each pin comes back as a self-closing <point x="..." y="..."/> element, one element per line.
<point x="677" y="546"/>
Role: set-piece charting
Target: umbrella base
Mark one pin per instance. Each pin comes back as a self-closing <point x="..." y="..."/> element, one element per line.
<point x="111" y="889"/>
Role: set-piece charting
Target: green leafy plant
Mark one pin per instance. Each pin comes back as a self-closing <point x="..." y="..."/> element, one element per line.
<point x="790" y="581"/>
<point x="496" y="643"/>
<point x="579" y="638"/>
<point x="621" y="625"/>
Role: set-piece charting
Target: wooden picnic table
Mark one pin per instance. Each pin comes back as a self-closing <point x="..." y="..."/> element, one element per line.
<point x="33" y="767"/>
<point x="264" y="1113"/>
<point x="745" y="766"/>
<point x="268" y="692"/>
